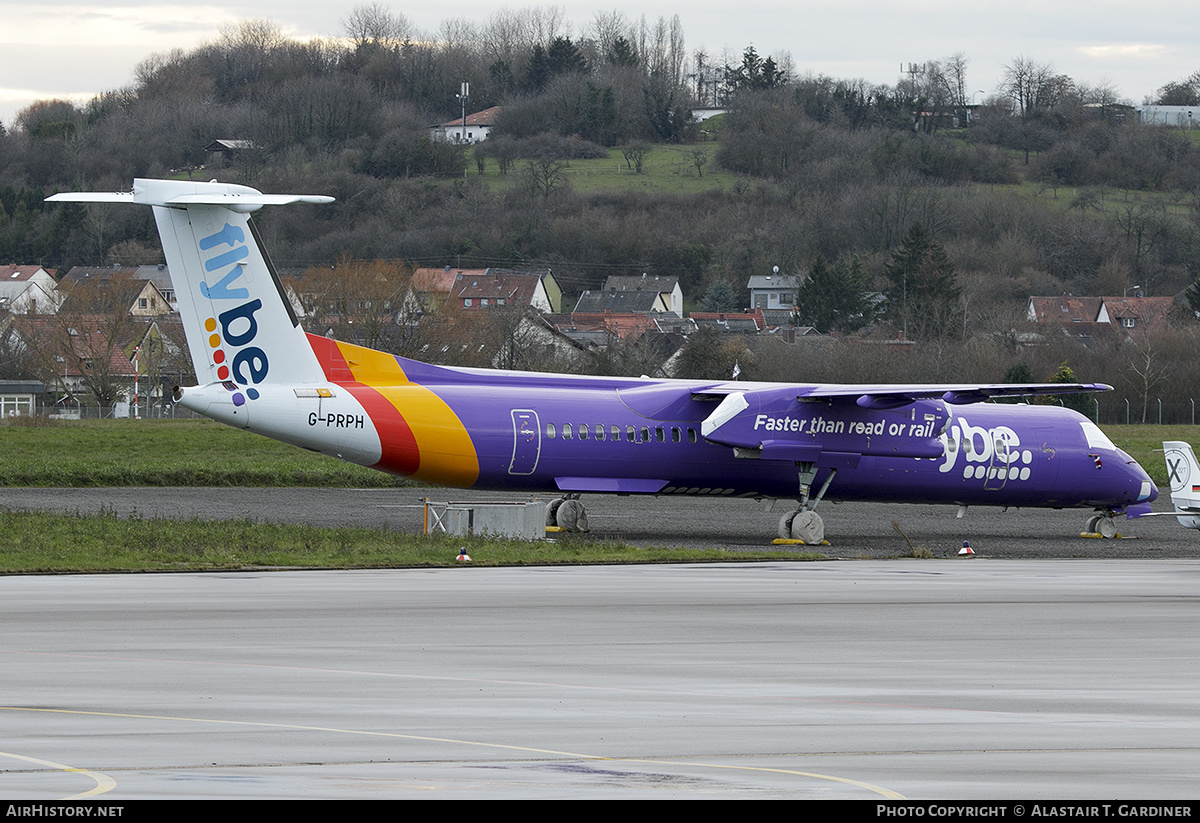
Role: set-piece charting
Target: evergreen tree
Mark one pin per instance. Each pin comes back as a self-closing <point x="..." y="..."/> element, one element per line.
<point x="564" y="57"/>
<point x="834" y="298"/>
<point x="538" y="73"/>
<point x="720" y="297"/>
<point x="1082" y="403"/>
<point x="923" y="290"/>
<point x="755" y="73"/>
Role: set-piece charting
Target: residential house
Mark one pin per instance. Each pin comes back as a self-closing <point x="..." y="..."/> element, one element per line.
<point x="28" y="290"/>
<point x="1065" y="309"/>
<point x="112" y="289"/>
<point x="475" y="129"/>
<point x="1086" y="317"/>
<point x="160" y="276"/>
<point x="748" y="322"/>
<point x="1075" y="316"/>
<point x="1135" y="313"/>
<point x="157" y="348"/>
<point x="596" y="328"/>
<point x="221" y="153"/>
<point x="78" y="354"/>
<point x="495" y="288"/>
<point x="668" y="287"/>
<point x="19" y="397"/>
<point x="622" y="302"/>
<point x="430" y="288"/>
<point x="773" y="291"/>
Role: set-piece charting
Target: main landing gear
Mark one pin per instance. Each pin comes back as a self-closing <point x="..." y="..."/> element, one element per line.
<point x="567" y="514"/>
<point x="1101" y="525"/>
<point x="804" y="526"/>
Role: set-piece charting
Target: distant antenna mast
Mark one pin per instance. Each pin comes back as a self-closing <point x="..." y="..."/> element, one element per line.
<point x="463" y="95"/>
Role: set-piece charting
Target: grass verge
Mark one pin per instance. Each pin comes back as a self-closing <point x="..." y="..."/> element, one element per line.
<point x="42" y="542"/>
<point x="99" y="453"/>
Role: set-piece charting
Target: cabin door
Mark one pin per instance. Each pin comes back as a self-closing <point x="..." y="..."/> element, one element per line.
<point x="998" y="472"/>
<point x="527" y="442"/>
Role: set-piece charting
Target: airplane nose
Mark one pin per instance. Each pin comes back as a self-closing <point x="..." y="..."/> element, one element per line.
<point x="1153" y="493"/>
<point x="1142" y="488"/>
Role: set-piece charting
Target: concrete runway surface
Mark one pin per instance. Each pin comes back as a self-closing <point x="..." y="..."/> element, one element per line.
<point x="1045" y="667"/>
<point x="974" y="679"/>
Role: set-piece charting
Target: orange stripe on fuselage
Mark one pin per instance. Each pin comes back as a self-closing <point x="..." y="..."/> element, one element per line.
<point x="419" y="434"/>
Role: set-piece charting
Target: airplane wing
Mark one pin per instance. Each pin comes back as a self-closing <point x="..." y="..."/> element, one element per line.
<point x="893" y="395"/>
<point x="802" y="422"/>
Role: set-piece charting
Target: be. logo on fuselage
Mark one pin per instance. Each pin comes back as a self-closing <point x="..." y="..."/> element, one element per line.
<point x="993" y="453"/>
<point x="235" y="328"/>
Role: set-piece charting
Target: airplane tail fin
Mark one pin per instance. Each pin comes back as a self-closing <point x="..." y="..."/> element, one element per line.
<point x="238" y="321"/>
<point x="1184" y="473"/>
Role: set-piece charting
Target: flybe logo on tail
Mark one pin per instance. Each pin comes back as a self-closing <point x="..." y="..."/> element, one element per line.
<point x="231" y="332"/>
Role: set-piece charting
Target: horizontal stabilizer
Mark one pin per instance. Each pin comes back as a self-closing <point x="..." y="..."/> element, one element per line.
<point x="181" y="194"/>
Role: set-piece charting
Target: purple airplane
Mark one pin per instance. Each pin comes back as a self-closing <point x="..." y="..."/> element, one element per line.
<point x="570" y="435"/>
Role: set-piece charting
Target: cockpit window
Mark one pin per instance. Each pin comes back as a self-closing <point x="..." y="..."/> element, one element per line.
<point x="1096" y="439"/>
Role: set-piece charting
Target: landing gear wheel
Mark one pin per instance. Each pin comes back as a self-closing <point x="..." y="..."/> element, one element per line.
<point x="1092" y="524"/>
<point x="805" y="526"/>
<point x="552" y="511"/>
<point x="571" y="516"/>
<point x="1107" y="528"/>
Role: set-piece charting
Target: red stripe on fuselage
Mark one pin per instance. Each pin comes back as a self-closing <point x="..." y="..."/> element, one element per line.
<point x="398" y="447"/>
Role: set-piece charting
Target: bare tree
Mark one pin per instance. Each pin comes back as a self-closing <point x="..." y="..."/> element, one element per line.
<point x="364" y="295"/>
<point x="1033" y="86"/>
<point x="376" y="24"/>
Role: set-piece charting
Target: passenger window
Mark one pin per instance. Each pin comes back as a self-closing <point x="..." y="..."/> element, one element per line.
<point x="659" y="434"/>
<point x="550" y="431"/>
<point x="599" y="432"/>
<point x="583" y="431"/>
<point x="566" y="431"/>
<point x="691" y="435"/>
<point x="616" y="433"/>
<point x="645" y="434"/>
<point x="676" y="435"/>
<point x="631" y="434"/>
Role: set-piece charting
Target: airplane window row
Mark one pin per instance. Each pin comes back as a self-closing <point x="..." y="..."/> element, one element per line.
<point x="632" y="434"/>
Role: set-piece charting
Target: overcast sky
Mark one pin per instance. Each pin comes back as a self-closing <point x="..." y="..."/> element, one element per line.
<point x="75" y="50"/>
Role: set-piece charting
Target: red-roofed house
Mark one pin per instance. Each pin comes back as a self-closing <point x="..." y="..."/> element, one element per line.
<point x="480" y="291"/>
<point x="1135" y="313"/>
<point x="477" y="128"/>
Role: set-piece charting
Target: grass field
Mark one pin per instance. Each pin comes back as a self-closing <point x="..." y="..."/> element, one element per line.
<point x="40" y="542"/>
<point x="92" y="453"/>
<point x="667" y="170"/>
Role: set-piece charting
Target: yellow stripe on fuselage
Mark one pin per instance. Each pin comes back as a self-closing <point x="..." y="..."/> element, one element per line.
<point x="448" y="456"/>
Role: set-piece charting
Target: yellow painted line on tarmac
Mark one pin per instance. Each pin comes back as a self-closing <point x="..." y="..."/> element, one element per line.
<point x="423" y="738"/>
<point x="104" y="783"/>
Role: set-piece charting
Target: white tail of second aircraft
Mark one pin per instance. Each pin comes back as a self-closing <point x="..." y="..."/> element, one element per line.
<point x="238" y="321"/>
<point x="1184" y="475"/>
